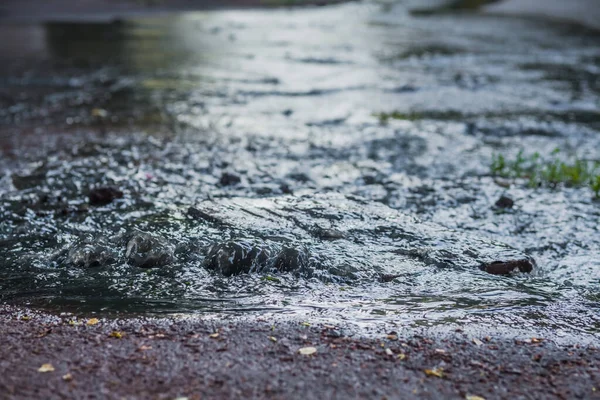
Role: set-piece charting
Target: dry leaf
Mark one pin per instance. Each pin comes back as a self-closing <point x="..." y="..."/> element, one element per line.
<point x="93" y="321"/>
<point x="116" y="334"/>
<point x="99" y="113"/>
<point x="214" y="335"/>
<point x="272" y="338"/>
<point x="440" y="351"/>
<point x="392" y="337"/>
<point x="25" y="318"/>
<point x="67" y="377"/>
<point x="46" y="368"/>
<point x="307" y="351"/>
<point x="389" y="352"/>
<point x="401" y="356"/>
<point x="477" y="342"/>
<point x="305" y="324"/>
<point x="473" y="397"/>
<point x="438" y="372"/>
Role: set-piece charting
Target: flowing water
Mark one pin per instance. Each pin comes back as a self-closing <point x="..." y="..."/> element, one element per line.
<point x="251" y="174"/>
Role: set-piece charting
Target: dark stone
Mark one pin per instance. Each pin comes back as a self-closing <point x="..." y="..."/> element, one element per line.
<point x="103" y="195"/>
<point x="236" y="257"/>
<point x="384" y="278"/>
<point x="147" y="251"/>
<point x="229" y="178"/>
<point x="328" y="234"/>
<point x="285" y="189"/>
<point x="506" y="267"/>
<point x="290" y="259"/>
<point x="505" y="202"/>
<point x="91" y="254"/>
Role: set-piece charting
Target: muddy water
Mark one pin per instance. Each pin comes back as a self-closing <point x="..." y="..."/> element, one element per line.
<point x="250" y="174"/>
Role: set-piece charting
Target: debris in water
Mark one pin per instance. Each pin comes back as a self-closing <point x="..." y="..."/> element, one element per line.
<point x="101" y="196"/>
<point x="505" y="202"/>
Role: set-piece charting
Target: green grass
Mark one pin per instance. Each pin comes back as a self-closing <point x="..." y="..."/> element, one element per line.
<point x="384" y="117"/>
<point x="552" y="171"/>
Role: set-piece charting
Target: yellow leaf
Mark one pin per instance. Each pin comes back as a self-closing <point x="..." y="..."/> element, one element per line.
<point x="116" y="334"/>
<point x="305" y="324"/>
<point x="272" y="338"/>
<point x="401" y="356"/>
<point x="46" y="368"/>
<point x="214" y="335"/>
<point x="99" y="112"/>
<point x="67" y="377"/>
<point x="92" y="321"/>
<point x="25" y="318"/>
<point x="473" y="397"/>
<point x="392" y="337"/>
<point x="307" y="351"/>
<point x="438" y="372"/>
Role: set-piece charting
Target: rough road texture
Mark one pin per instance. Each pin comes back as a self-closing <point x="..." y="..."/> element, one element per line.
<point x="165" y="359"/>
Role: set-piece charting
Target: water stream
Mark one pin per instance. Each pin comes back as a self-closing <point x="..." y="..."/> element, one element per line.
<point x="251" y="174"/>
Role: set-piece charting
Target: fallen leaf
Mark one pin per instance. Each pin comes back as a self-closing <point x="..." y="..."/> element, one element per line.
<point x="67" y="377"/>
<point x="214" y="335"/>
<point x="440" y="351"/>
<point x="305" y="324"/>
<point x="477" y="342"/>
<point x="389" y="352"/>
<point x="438" y="372"/>
<point x="92" y="321"/>
<point x="46" y="368"/>
<point x="144" y="348"/>
<point x="25" y="318"/>
<point x="99" y="112"/>
<point x="116" y="334"/>
<point x="536" y="340"/>
<point x="307" y="351"/>
<point x="392" y="337"/>
<point x="328" y="326"/>
<point x="272" y="338"/>
<point x="473" y="397"/>
<point x="401" y="356"/>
